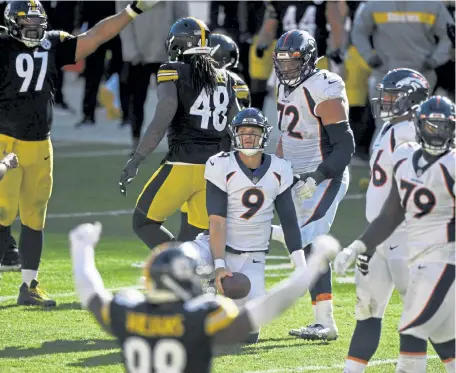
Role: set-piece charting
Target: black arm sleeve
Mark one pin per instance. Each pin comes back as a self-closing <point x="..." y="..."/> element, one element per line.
<point x="343" y="146"/>
<point x="287" y="214"/>
<point x="216" y="200"/>
<point x="391" y="216"/>
<point x="164" y="114"/>
<point x="95" y="307"/>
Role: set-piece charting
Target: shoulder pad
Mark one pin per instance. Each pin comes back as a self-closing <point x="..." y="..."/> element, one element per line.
<point x="203" y="302"/>
<point x="285" y="177"/>
<point x="215" y="170"/>
<point x="241" y="89"/>
<point x="404" y="151"/>
<point x="129" y="298"/>
<point x="222" y="314"/>
<point x="168" y="72"/>
<point x="326" y="85"/>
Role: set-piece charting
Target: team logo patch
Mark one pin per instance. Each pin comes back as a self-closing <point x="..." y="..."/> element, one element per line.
<point x="46" y="44"/>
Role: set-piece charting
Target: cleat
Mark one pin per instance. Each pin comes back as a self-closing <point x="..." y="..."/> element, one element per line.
<point x="34" y="296"/>
<point x="315" y="332"/>
<point x="11" y="261"/>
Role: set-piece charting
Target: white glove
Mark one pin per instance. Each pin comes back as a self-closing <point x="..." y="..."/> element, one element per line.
<point x="138" y="7"/>
<point x="10" y="160"/>
<point x="85" y="235"/>
<point x="305" y="190"/>
<point x="348" y="256"/>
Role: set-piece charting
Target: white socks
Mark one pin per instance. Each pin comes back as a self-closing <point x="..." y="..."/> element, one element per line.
<point x="28" y="275"/>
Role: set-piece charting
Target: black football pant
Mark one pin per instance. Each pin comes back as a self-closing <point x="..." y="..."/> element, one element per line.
<point x="94" y="70"/>
<point x="134" y="94"/>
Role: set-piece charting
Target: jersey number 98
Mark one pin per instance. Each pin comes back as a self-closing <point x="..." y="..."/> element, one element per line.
<point x="167" y="356"/>
<point x="212" y="108"/>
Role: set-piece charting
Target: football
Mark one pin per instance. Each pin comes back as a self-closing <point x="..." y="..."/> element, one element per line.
<point x="236" y="287"/>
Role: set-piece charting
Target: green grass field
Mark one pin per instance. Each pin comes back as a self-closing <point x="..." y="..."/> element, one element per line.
<point x="66" y="339"/>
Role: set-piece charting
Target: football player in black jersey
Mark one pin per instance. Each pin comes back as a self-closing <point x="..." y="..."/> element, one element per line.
<point x="226" y="53"/>
<point x="173" y="327"/>
<point x="195" y="102"/>
<point x="29" y="59"/>
<point x="283" y="16"/>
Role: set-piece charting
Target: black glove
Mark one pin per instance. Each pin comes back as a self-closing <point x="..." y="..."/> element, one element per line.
<point x="450" y="32"/>
<point x="129" y="172"/>
<point x="316" y="175"/>
<point x="374" y="61"/>
<point x="260" y="50"/>
<point x="362" y="262"/>
<point x="337" y="56"/>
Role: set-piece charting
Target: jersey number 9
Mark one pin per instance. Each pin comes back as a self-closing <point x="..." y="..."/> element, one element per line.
<point x="253" y="199"/>
<point x="212" y="108"/>
<point x="167" y="356"/>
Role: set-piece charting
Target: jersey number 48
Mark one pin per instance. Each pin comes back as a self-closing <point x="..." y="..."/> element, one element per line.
<point x="212" y="108"/>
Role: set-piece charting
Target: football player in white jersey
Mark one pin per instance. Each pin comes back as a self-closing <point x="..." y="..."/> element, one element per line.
<point x="401" y="93"/>
<point x="313" y="116"/>
<point x="243" y="189"/>
<point x="422" y="194"/>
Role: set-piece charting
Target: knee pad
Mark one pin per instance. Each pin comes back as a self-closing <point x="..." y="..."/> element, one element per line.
<point x="35" y="219"/>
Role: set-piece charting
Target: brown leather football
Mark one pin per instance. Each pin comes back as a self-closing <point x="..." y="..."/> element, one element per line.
<point x="236" y="287"/>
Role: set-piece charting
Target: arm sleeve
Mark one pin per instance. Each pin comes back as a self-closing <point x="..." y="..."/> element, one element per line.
<point x="66" y="49"/>
<point x="287" y="215"/>
<point x="343" y="144"/>
<point x="216" y="200"/>
<point x="363" y="28"/>
<point x="163" y="116"/>
<point x="441" y="53"/>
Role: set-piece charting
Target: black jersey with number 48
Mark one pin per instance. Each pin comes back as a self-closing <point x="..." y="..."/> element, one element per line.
<point x="198" y="129"/>
<point x="172" y="337"/>
<point x="27" y="83"/>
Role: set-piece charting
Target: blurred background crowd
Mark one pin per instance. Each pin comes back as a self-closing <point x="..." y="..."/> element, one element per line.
<point x="121" y="73"/>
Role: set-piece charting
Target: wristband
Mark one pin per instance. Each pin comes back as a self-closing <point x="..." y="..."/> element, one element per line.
<point x="133" y="14"/>
<point x="219" y="263"/>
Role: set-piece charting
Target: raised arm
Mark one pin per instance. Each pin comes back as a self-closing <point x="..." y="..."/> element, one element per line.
<point x="105" y="30"/>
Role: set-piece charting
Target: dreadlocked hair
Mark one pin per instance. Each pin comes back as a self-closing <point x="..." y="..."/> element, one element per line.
<point x="203" y="73"/>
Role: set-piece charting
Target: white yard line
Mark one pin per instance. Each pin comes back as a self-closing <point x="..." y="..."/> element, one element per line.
<point x="92" y="154"/>
<point x="322" y="368"/>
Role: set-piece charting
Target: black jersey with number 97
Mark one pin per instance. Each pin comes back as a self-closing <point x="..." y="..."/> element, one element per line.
<point x="27" y="83"/>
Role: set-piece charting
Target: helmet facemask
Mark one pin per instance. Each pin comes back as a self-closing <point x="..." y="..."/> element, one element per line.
<point x="250" y="139"/>
<point x="391" y="103"/>
<point x="436" y="135"/>
<point x="29" y="30"/>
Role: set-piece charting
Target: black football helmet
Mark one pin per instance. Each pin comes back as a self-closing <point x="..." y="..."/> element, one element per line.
<point x="435" y="123"/>
<point x="401" y="91"/>
<point x="26" y="21"/>
<point x="187" y="36"/>
<point x="295" y="56"/>
<point x="172" y="273"/>
<point x="249" y="117"/>
<point x="224" y="51"/>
